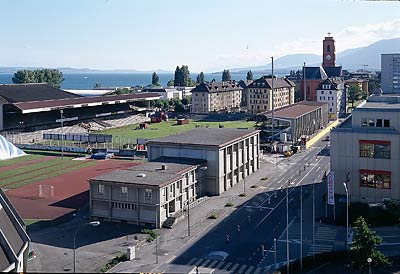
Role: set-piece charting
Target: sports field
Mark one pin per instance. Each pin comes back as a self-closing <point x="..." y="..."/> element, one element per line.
<point x="48" y="187"/>
<point x="163" y="129"/>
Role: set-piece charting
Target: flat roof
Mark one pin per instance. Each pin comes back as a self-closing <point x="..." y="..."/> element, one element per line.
<point x="296" y="110"/>
<point x="154" y="174"/>
<point x="384" y="102"/>
<point x="48" y="105"/>
<point x="206" y="136"/>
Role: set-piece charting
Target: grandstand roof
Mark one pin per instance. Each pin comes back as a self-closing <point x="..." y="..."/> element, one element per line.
<point x="47" y="105"/>
<point x="32" y="92"/>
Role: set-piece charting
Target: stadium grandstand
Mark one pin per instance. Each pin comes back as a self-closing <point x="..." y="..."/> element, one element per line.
<point x="39" y="106"/>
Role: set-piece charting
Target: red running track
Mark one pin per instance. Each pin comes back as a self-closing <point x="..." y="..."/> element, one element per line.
<point x="71" y="191"/>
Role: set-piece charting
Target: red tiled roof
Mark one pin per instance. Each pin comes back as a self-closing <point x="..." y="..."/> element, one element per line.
<point x="70" y="102"/>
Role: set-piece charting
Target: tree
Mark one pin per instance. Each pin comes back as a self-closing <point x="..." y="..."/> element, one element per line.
<point x="97" y="85"/>
<point x="354" y="94"/>
<point x="249" y="75"/>
<point x="186" y="74"/>
<point x="120" y="91"/>
<point x="186" y="100"/>
<point x="53" y="77"/>
<point x="226" y="76"/>
<point x="364" y="247"/>
<point x="171" y="83"/>
<point x="179" y="79"/>
<point x="200" y="78"/>
<point x="155" y="79"/>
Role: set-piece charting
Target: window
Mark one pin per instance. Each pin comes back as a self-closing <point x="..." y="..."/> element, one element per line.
<point x="330" y="109"/>
<point x="375" y="149"/>
<point x="375" y="178"/>
<point x="322" y="92"/>
<point x="330" y="92"/>
<point x="124" y="191"/>
<point x="386" y="123"/>
<point x="147" y="194"/>
<point x="371" y="122"/>
<point x="378" y="122"/>
<point x="101" y="189"/>
<point x="364" y="122"/>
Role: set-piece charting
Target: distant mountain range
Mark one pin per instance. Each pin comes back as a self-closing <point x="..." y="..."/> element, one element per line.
<point x="350" y="59"/>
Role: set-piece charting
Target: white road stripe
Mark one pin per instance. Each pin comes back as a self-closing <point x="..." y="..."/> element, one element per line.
<point x="198" y="262"/>
<point x="249" y="270"/>
<point x="220" y="264"/>
<point x="226" y="267"/>
<point x="234" y="267"/>
<point x="206" y="262"/>
<point x="191" y="261"/>
<point x="242" y="268"/>
<point x="258" y="270"/>
<point x="212" y="264"/>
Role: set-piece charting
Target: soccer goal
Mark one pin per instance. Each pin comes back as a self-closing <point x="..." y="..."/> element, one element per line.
<point x="46" y="191"/>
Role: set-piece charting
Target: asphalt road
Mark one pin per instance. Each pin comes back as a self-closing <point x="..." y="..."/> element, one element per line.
<point x="254" y="225"/>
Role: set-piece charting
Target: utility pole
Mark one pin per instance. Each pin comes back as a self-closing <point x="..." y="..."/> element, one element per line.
<point x="301" y="226"/>
<point x="62" y="133"/>
<point x="287" y="229"/>
<point x="304" y="80"/>
<point x="188" y="218"/>
<point x="313" y="221"/>
<point x="273" y="100"/>
<point x="274" y="253"/>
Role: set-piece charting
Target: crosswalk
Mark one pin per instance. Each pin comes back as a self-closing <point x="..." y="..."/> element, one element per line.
<point x="229" y="267"/>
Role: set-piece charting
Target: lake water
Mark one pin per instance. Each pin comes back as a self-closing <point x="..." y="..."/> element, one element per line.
<point x="87" y="81"/>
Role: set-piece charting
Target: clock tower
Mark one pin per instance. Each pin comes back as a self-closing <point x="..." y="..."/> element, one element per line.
<point x="328" y="53"/>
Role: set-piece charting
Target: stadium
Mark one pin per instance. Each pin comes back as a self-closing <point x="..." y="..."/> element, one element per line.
<point x="29" y="107"/>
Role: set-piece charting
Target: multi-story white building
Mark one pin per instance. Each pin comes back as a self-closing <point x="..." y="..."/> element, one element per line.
<point x="365" y="151"/>
<point x="332" y="91"/>
<point x="259" y="94"/>
<point x="390" y="72"/>
<point x="216" y="96"/>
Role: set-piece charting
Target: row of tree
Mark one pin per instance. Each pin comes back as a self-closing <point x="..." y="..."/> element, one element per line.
<point x="175" y="103"/>
<point x="53" y="77"/>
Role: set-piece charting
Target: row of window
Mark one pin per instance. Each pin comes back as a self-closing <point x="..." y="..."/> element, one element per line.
<point x="370" y="122"/>
<point x="124" y="192"/>
<point x="326" y="87"/>
<point x="123" y="205"/>
<point x="375" y="149"/>
<point x="330" y="98"/>
<point x="375" y="179"/>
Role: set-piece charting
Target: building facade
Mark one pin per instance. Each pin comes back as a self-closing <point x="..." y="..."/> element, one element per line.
<point x="147" y="194"/>
<point x="231" y="154"/>
<point x="333" y="91"/>
<point x="365" y="151"/>
<point x="216" y="97"/>
<point x="390" y="73"/>
<point x="259" y="94"/>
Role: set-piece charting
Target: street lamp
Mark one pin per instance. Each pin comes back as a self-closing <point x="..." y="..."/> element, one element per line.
<point x="369" y="260"/>
<point x="287" y="228"/>
<point x="62" y="133"/>
<point x="301" y="226"/>
<point x="94" y="223"/>
<point x="347" y="215"/>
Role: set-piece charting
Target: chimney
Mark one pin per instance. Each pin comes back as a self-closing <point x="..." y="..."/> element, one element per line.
<point x="163" y="167"/>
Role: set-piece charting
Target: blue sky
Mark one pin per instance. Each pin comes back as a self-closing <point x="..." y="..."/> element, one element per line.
<point x="207" y="35"/>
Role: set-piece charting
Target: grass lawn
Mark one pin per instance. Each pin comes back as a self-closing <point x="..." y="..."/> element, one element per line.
<point x="40" y="171"/>
<point x="163" y="129"/>
<point x="18" y="160"/>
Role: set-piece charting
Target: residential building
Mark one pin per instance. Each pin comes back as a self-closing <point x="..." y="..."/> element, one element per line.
<point x="362" y="84"/>
<point x="365" y="150"/>
<point x="244" y="84"/>
<point x="333" y="92"/>
<point x="259" y="94"/>
<point x="216" y="97"/>
<point x="146" y="194"/>
<point x="14" y="241"/>
<point x="231" y="154"/>
<point x="390" y="73"/>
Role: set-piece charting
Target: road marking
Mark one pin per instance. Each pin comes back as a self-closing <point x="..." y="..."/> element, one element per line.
<point x="212" y="264"/>
<point x="191" y="261"/>
<point x="234" y="267"/>
<point x="198" y="262"/>
<point x="242" y="268"/>
<point x="258" y="270"/>
<point x="262" y="207"/>
<point x="249" y="270"/>
<point x="170" y="259"/>
<point x="220" y="264"/>
<point x="227" y="265"/>
<point x="206" y="262"/>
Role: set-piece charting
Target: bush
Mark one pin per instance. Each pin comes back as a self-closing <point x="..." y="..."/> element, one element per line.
<point x="229" y="204"/>
<point x="242" y="194"/>
<point x="119" y="258"/>
<point x="152" y="234"/>
<point x="213" y="216"/>
<point x="264" y="178"/>
<point x="254" y="186"/>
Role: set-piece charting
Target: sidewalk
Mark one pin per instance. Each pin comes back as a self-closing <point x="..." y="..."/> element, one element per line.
<point x="174" y="240"/>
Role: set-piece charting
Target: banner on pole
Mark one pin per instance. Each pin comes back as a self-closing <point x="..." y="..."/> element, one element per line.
<point x="331" y="188"/>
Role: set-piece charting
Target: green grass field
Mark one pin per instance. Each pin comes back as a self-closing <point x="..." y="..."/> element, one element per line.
<point x="35" y="172"/>
<point x="163" y="129"/>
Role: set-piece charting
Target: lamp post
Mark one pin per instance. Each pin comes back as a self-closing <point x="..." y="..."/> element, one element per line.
<point x="62" y="133"/>
<point x="347" y="215"/>
<point x="287" y="228"/>
<point x="301" y="227"/>
<point x="94" y="223"/>
<point x="369" y="260"/>
<point x="313" y="220"/>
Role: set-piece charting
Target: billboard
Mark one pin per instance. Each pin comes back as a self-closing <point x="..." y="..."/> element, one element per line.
<point x="331" y="188"/>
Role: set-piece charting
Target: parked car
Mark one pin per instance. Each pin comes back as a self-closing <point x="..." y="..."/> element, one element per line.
<point x="101" y="156"/>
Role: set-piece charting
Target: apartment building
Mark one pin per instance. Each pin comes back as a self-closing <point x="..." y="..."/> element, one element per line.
<point x="216" y="97"/>
<point x="365" y="151"/>
<point x="390" y="73"/>
<point x="259" y="94"/>
<point x="333" y="92"/>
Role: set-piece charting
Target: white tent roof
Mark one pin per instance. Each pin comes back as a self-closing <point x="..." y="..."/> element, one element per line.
<point x="9" y="150"/>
